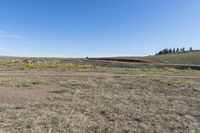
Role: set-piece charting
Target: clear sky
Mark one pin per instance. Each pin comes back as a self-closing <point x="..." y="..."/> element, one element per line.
<point x="80" y="28"/>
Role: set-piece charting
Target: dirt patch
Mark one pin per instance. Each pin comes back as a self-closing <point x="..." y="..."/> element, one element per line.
<point x="14" y="95"/>
<point x="119" y="59"/>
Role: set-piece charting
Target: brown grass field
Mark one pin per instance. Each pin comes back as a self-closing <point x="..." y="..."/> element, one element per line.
<point x="56" y="96"/>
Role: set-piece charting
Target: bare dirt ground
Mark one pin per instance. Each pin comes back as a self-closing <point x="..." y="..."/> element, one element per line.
<point x="12" y="95"/>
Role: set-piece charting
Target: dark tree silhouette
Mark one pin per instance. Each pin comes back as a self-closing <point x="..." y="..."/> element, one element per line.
<point x="174" y="50"/>
<point x="190" y="49"/>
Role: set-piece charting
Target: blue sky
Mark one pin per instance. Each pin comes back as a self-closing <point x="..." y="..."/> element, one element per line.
<point x="80" y="28"/>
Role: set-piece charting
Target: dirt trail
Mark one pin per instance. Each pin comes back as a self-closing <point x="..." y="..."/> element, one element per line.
<point x="94" y="74"/>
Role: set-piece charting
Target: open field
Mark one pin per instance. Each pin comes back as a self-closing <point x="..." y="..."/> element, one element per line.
<point x="77" y="95"/>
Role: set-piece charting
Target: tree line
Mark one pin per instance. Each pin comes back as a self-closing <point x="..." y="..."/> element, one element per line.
<point x="175" y="50"/>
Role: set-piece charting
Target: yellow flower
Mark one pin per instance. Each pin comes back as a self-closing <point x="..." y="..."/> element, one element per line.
<point x="29" y="65"/>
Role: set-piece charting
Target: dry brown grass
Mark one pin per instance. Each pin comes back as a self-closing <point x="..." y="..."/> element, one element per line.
<point x="113" y="104"/>
<point x="122" y="100"/>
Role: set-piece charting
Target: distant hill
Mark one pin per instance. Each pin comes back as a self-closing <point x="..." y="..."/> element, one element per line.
<point x="177" y="58"/>
<point x="192" y="58"/>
